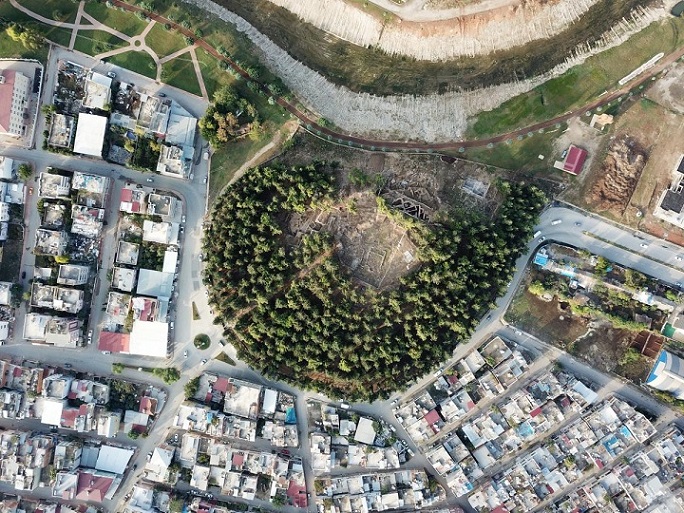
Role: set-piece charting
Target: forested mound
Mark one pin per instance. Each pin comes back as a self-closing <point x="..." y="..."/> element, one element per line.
<point x="296" y="314"/>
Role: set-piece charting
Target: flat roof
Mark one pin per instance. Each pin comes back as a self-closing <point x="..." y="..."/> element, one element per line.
<point x="170" y="261"/>
<point x="365" y="432"/>
<point x="154" y="283"/>
<point x="149" y="339"/>
<point x="90" y="133"/>
<point x="113" y="459"/>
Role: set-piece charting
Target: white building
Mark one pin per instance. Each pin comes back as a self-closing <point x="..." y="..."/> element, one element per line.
<point x="15" y="88"/>
<point x="90" y="134"/>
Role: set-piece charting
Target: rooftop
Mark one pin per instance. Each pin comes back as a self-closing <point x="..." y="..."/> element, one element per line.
<point x="90" y="133"/>
<point x="127" y="253"/>
<point x="123" y="279"/>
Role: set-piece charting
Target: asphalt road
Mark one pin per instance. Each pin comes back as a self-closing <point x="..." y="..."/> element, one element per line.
<point x="618" y="244"/>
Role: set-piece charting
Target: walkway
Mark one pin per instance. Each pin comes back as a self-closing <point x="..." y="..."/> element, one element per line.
<point x="135" y="43"/>
<point x="337" y="137"/>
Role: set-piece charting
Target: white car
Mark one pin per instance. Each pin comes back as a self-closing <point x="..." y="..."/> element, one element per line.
<point x="203" y="362"/>
<point x="172" y="325"/>
<point x="185" y="354"/>
<point x="643" y="245"/>
<point x="150" y="180"/>
<point x="556" y="221"/>
<point x="205" y="180"/>
<point x="183" y="219"/>
<point x="111" y="74"/>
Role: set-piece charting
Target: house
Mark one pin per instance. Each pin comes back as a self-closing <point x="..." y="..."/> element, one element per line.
<point x="573" y="161"/>
<point x="54" y="186"/>
<point x="158" y="467"/>
<point x="133" y="200"/>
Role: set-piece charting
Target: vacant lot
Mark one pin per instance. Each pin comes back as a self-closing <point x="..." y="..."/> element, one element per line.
<point x="545" y="319"/>
<point x="11" y="260"/>
<point x="123" y="21"/>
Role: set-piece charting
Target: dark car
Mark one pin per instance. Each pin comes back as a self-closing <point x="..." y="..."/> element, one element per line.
<point x="68" y="366"/>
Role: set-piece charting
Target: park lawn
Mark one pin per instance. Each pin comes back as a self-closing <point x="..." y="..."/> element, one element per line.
<point x="123" y="21"/>
<point x="58" y="10"/>
<point x="138" y="62"/>
<point x="94" y="42"/>
<point x="164" y="42"/>
<point x="15" y="50"/>
<point x="180" y="73"/>
<point x="214" y="76"/>
<point x="60" y="36"/>
<point x="582" y="83"/>
<point x="519" y="154"/>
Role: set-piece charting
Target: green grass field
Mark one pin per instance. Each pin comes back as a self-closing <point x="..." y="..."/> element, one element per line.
<point x="138" y="62"/>
<point x="122" y="21"/>
<point x="522" y="155"/>
<point x="164" y="42"/>
<point x="12" y="49"/>
<point x="57" y="35"/>
<point x="180" y="73"/>
<point x="94" y="42"/>
<point x="57" y="10"/>
<point x="581" y="84"/>
<point x="214" y="76"/>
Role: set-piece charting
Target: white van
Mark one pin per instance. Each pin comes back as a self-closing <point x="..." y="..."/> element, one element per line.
<point x="556" y="221"/>
<point x="537" y="234"/>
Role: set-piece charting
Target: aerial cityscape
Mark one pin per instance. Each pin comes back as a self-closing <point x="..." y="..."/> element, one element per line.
<point x="341" y="256"/>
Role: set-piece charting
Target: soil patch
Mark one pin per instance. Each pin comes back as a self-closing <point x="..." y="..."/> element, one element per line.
<point x="376" y="250"/>
<point x="619" y="175"/>
<point x="545" y="320"/>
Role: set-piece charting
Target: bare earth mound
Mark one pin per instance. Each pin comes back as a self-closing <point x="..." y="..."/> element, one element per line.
<point x="483" y="28"/>
<point x="619" y="175"/>
<point x="375" y="249"/>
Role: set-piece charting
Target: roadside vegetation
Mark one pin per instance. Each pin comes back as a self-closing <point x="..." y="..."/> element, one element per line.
<point x="581" y="83"/>
<point x="298" y="315"/>
<point x="229" y="117"/>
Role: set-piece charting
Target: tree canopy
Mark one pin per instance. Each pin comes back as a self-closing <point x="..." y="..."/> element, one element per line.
<point x="298" y="315"/>
<point x="228" y="117"/>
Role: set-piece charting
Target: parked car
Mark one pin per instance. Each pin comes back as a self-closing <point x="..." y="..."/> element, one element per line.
<point x="185" y="354"/>
<point x="556" y="221"/>
<point x="23" y="274"/>
<point x="68" y="366"/>
<point x="150" y="180"/>
<point x="172" y="325"/>
<point x="161" y="95"/>
<point x="111" y="74"/>
<point x="106" y="352"/>
<point x="643" y="245"/>
<point x="203" y="362"/>
<point x="30" y="191"/>
<point x="183" y="219"/>
<point x="204" y="180"/>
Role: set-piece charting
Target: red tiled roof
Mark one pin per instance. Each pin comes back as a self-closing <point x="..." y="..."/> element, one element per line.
<point x="499" y="509"/>
<point x="126" y="195"/>
<point x="432" y="417"/>
<point x="535" y="412"/>
<point x="69" y="417"/>
<point x="221" y="385"/>
<point x="574" y="160"/>
<point x="238" y="459"/>
<point x="6" y="92"/>
<point x="148" y="405"/>
<point x="91" y="487"/>
<point x="114" y="342"/>
<point x="297" y="493"/>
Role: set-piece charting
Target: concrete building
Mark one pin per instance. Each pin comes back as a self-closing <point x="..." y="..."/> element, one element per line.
<point x="98" y="91"/>
<point x="133" y="200"/>
<point x="127" y="253"/>
<point x="90" y="134"/>
<point x="50" y="242"/>
<point x="71" y="275"/>
<point x="15" y="89"/>
<point x="123" y="279"/>
<point x="54" y="186"/>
